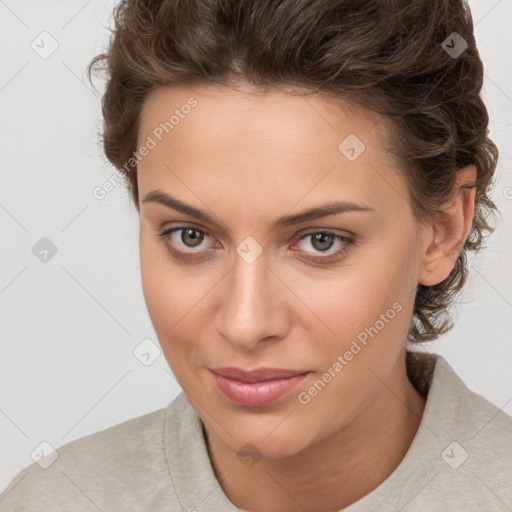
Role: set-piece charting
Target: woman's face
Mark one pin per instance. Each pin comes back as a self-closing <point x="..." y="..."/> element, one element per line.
<point x="254" y="284"/>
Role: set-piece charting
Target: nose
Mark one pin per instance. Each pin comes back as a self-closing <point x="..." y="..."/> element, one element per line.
<point x="252" y="308"/>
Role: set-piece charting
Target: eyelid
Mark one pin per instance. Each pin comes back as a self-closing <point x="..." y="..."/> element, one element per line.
<point x="344" y="233"/>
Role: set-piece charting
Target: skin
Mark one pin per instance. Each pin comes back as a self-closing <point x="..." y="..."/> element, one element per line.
<point x="248" y="158"/>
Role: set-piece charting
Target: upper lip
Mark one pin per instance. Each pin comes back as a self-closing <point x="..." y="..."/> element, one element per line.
<point x="258" y="375"/>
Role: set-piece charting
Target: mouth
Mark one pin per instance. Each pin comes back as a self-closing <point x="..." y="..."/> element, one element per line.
<point x="256" y="388"/>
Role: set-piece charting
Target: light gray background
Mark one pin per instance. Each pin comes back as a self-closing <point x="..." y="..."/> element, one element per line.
<point x="69" y="326"/>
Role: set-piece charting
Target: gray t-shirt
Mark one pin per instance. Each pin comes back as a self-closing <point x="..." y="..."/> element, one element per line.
<point x="459" y="460"/>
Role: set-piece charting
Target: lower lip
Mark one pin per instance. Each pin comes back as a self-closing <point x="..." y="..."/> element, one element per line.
<point x="256" y="394"/>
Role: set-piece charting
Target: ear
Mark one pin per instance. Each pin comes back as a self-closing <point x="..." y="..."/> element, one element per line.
<point x="445" y="236"/>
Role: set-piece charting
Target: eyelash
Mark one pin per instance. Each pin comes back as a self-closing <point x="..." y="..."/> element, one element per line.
<point x="349" y="243"/>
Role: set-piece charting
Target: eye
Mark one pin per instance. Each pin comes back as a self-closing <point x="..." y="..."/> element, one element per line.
<point x="322" y="242"/>
<point x="190" y="238"/>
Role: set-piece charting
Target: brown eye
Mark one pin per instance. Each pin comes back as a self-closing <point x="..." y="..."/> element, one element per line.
<point x="191" y="237"/>
<point x="322" y="241"/>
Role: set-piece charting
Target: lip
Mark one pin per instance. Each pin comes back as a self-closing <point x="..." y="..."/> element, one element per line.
<point x="257" y="375"/>
<point x="256" y="388"/>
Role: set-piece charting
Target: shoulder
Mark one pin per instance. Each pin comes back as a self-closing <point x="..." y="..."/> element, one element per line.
<point x="474" y="445"/>
<point x="484" y="447"/>
<point x="461" y="456"/>
<point x="453" y="409"/>
<point x="485" y="427"/>
<point x="119" y="468"/>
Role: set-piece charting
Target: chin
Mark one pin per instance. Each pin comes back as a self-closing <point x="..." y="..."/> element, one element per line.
<point x="257" y="443"/>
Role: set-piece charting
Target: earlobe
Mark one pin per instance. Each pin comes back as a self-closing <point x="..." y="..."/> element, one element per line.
<point x="449" y="230"/>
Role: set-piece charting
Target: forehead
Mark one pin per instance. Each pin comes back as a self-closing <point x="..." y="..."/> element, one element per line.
<point x="296" y="115"/>
<point x="250" y="140"/>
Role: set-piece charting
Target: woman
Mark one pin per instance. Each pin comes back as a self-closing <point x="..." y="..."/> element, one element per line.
<point x="310" y="176"/>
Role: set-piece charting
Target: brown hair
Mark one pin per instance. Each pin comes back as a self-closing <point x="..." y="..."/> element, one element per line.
<point x="387" y="55"/>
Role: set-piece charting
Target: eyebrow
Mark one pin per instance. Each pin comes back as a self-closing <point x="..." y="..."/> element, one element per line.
<point x="158" y="196"/>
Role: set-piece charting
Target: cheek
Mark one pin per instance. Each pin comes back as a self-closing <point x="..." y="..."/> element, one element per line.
<point x="154" y="279"/>
<point x="368" y="309"/>
<point x="165" y="302"/>
<point x="384" y="281"/>
<point x="370" y="321"/>
<point x="166" y="294"/>
<point x="356" y="298"/>
<point x="175" y="297"/>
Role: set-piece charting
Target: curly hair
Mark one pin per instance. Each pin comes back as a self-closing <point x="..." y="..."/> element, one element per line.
<point x="389" y="56"/>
